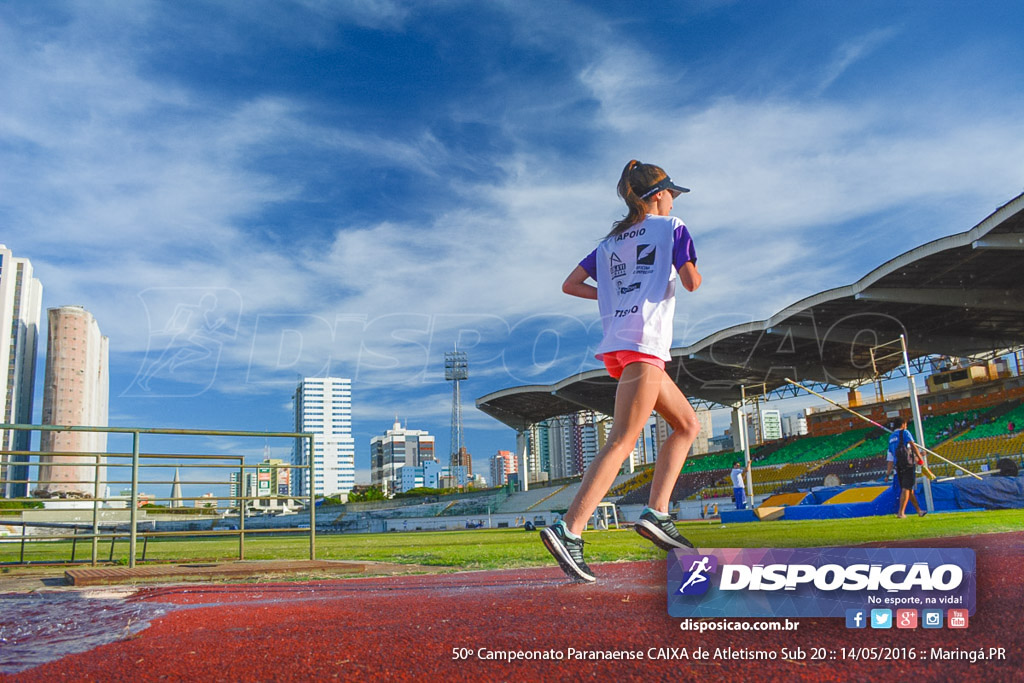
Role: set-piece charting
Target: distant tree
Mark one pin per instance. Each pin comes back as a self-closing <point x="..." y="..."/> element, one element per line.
<point x="20" y="505"/>
<point x="370" y="494"/>
<point x="421" y="491"/>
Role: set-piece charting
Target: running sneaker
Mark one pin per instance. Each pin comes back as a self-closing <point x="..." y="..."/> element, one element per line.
<point x="568" y="552"/>
<point x="660" y="530"/>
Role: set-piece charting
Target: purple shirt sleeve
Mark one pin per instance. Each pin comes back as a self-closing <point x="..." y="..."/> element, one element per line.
<point x="682" y="248"/>
<point x="589" y="264"/>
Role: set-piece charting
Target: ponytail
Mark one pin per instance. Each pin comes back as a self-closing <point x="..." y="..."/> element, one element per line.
<point x="635" y="177"/>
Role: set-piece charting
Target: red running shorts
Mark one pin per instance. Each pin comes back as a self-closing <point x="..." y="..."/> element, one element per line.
<point x="616" y="361"/>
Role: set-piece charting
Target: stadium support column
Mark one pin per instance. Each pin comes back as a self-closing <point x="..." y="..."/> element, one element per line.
<point x="915" y="409"/>
<point x="522" y="456"/>
<point x="739" y="426"/>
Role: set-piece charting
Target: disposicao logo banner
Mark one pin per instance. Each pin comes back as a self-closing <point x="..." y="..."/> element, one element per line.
<point x="817" y="582"/>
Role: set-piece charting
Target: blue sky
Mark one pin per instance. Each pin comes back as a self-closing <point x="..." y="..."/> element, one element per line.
<point x="243" y="193"/>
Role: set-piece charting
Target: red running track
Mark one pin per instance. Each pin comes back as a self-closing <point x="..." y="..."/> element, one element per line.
<point x="405" y="628"/>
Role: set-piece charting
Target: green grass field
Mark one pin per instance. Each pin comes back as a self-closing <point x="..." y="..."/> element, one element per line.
<point x="506" y="548"/>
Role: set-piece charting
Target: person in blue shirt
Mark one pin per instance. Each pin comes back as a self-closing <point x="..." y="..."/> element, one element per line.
<point x="906" y="474"/>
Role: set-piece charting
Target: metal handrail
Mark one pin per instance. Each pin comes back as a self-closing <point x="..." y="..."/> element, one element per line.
<point x="136" y="463"/>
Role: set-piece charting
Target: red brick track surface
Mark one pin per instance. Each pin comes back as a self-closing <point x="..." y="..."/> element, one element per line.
<point x="405" y="628"/>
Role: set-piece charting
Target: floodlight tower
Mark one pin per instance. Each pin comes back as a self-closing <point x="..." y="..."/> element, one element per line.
<point x="456" y="369"/>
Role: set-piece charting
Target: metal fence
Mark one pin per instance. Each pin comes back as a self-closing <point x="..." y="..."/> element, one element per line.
<point x="138" y="461"/>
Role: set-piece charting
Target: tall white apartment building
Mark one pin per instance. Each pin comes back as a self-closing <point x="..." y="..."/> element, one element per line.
<point x="398" y="447"/>
<point x="323" y="407"/>
<point x="21" y="297"/>
<point x="76" y="388"/>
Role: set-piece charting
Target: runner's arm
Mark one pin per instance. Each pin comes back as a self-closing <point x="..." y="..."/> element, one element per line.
<point x="576" y="284"/>
<point x="689" y="276"/>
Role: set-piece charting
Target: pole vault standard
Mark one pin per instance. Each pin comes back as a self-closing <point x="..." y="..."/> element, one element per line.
<point x="883" y="427"/>
<point x="745" y="435"/>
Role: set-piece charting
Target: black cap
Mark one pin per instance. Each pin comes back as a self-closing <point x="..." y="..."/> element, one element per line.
<point x="663" y="184"/>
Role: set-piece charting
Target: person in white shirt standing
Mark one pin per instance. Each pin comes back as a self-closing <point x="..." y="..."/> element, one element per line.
<point x="739" y="489"/>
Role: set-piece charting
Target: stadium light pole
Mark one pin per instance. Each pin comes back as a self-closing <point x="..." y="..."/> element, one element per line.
<point x="915" y="409"/>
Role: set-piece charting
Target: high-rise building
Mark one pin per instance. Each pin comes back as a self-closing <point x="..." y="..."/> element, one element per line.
<point x="396" y="448"/>
<point x="557" y="451"/>
<point x="323" y="407"/>
<point x="21" y="298"/>
<point x="538" y="452"/>
<point x="453" y="477"/>
<point x="247" y="489"/>
<point x="503" y="466"/>
<point x="794" y="424"/>
<point x="76" y="390"/>
<point x="588" y="434"/>
<point x="462" y="459"/>
<point x="659" y="432"/>
<point x="565" y="445"/>
<point x="701" y="445"/>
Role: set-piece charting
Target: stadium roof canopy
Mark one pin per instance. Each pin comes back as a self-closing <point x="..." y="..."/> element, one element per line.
<point x="961" y="295"/>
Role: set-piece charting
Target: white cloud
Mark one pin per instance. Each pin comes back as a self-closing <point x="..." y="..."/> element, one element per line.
<point x="120" y="183"/>
<point x="385" y="14"/>
<point x="853" y="51"/>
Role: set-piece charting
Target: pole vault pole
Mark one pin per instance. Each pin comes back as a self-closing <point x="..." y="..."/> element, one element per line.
<point x="882" y="427"/>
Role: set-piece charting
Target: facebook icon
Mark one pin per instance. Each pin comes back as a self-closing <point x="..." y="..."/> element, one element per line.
<point x="856" y="618"/>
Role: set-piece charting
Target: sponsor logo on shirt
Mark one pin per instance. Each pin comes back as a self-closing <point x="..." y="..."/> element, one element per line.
<point x="644" y="259"/>
<point x="618" y="268"/>
<point x="645" y="254"/>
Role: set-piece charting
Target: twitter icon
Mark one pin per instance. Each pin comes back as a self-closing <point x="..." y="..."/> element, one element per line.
<point x="881" y="618"/>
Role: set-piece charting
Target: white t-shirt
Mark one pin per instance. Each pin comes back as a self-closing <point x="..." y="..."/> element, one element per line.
<point x="636" y="284"/>
<point x="737" y="478"/>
